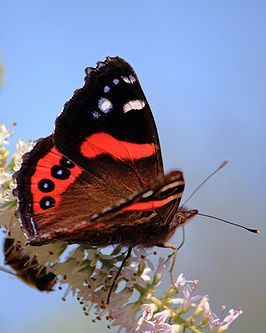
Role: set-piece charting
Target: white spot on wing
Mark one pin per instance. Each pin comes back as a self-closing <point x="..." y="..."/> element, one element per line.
<point x="100" y="64"/>
<point x="137" y="104"/>
<point x="95" y="114"/>
<point x="105" y="105"/>
<point x="115" y="81"/>
<point x="125" y="79"/>
<point x="132" y="79"/>
<point x="172" y="185"/>
<point x="106" y="209"/>
<point x="147" y="194"/>
<point x="106" y="89"/>
<point x="129" y="80"/>
<point x="122" y="201"/>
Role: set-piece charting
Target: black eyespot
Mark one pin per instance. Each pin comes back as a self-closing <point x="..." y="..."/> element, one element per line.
<point x="66" y="163"/>
<point x="60" y="172"/>
<point x="47" y="202"/>
<point x="46" y="185"/>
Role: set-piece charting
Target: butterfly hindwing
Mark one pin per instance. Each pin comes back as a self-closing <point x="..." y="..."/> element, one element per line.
<point x="44" y="176"/>
<point x="57" y="197"/>
<point x="78" y="207"/>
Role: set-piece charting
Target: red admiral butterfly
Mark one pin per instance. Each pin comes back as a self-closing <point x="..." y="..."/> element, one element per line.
<point x="99" y="177"/>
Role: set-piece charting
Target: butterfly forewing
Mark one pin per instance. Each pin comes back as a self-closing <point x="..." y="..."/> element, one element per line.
<point x="107" y="127"/>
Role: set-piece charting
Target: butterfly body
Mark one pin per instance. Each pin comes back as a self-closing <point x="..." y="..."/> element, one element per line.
<point x="99" y="177"/>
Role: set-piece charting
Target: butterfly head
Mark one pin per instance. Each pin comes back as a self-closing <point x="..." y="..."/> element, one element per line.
<point x="182" y="216"/>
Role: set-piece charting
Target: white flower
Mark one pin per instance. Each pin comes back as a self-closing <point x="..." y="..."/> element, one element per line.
<point x="218" y="326"/>
<point x="5" y="133"/>
<point x="181" y="281"/>
<point x="4" y="176"/>
<point x="48" y="253"/>
<point x="122" y="315"/>
<point x="146" y="275"/>
<point x="141" y="256"/>
<point x="160" y="317"/>
<point x="162" y="266"/>
<point x="158" y="325"/>
<point x="21" y="149"/>
<point x="147" y="314"/>
<point x="188" y="299"/>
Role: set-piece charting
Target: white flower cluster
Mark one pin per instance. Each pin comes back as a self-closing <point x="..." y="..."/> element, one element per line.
<point x="87" y="273"/>
<point x="196" y="308"/>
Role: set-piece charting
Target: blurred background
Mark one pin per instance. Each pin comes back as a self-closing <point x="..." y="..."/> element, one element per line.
<point x="202" y="65"/>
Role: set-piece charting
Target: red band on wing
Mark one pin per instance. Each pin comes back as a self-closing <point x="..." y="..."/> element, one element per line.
<point x="103" y="143"/>
<point x="43" y="171"/>
<point x="150" y="205"/>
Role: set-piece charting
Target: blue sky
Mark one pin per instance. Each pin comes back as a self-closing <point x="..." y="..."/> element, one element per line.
<point x="202" y="65"/>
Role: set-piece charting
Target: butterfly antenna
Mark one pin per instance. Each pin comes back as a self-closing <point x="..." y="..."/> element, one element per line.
<point x="255" y="231"/>
<point x="221" y="166"/>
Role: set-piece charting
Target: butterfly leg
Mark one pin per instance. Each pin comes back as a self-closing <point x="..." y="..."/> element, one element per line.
<point x="175" y="250"/>
<point x="173" y="254"/>
<point x="118" y="273"/>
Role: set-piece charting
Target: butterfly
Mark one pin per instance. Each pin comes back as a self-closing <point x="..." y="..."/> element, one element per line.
<point x="26" y="268"/>
<point x="98" y="178"/>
